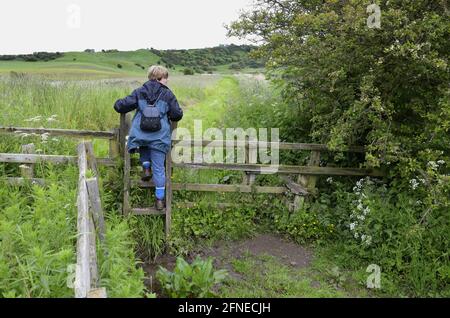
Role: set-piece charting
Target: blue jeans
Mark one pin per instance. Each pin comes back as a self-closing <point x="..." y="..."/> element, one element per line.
<point x="156" y="159"/>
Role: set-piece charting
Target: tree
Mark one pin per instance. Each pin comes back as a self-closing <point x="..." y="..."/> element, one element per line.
<point x="385" y="88"/>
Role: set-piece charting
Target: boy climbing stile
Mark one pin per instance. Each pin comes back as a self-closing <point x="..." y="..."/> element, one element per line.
<point x="150" y="132"/>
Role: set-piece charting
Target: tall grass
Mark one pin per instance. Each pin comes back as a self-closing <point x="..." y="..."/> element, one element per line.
<point x="38" y="241"/>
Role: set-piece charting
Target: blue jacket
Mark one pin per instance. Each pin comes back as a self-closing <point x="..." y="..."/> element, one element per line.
<point x="168" y="106"/>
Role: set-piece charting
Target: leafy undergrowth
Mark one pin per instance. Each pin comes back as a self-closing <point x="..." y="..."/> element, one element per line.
<point x="265" y="276"/>
<point x="38" y="241"/>
<point x="195" y="280"/>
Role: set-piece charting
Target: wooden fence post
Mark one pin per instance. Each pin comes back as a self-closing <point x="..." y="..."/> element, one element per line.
<point x="27" y="170"/>
<point x="169" y="193"/>
<point x="114" y="145"/>
<point x="251" y="157"/>
<point x="90" y="157"/>
<point x="308" y="182"/>
<point x="123" y="132"/>
<point x="126" y="183"/>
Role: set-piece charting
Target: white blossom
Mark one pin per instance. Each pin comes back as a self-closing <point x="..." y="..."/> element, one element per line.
<point x="33" y="119"/>
<point x="414" y="184"/>
<point x="44" y="136"/>
<point x="366" y="239"/>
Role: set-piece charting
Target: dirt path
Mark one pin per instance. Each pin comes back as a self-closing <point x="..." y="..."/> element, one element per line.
<point x="223" y="253"/>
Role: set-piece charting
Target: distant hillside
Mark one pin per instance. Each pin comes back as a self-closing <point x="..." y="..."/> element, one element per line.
<point x="113" y="63"/>
<point x="206" y="60"/>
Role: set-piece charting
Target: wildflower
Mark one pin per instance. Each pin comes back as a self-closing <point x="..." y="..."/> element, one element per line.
<point x="330" y="180"/>
<point x="23" y="135"/>
<point x="44" y="137"/>
<point x="366" y="239"/>
<point x="352" y="226"/>
<point x="441" y="162"/>
<point x="433" y="165"/>
<point x="414" y="184"/>
<point x="33" y="119"/>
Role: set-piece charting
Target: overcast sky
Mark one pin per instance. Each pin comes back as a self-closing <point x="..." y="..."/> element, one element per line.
<point x="28" y="26"/>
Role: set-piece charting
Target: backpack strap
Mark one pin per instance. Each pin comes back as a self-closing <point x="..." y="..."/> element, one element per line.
<point x="157" y="99"/>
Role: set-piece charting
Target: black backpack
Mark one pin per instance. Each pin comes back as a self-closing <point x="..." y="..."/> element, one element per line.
<point x="151" y="117"/>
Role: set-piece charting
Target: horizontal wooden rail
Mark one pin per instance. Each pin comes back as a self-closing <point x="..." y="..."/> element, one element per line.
<point x="22" y="181"/>
<point x="217" y="205"/>
<point x="147" y="211"/>
<point x="216" y="187"/>
<point x="35" y="158"/>
<point x="269" y="145"/>
<point x="83" y="273"/>
<point x="284" y="169"/>
<point x="61" y="132"/>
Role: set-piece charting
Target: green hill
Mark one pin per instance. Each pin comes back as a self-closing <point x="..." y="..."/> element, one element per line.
<point x="113" y="63"/>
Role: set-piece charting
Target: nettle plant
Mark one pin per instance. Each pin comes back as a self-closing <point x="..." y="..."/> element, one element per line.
<point x="195" y="280"/>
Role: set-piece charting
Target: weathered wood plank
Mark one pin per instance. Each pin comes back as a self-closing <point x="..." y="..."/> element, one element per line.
<point x="92" y="161"/>
<point x="269" y="145"/>
<point x="200" y="187"/>
<point x="168" y="210"/>
<point x="126" y="183"/>
<point x="60" y="132"/>
<point x="27" y="170"/>
<point x="114" y="148"/>
<point x="218" y="205"/>
<point x="147" y="211"/>
<point x="294" y="187"/>
<point x="58" y="159"/>
<point x="96" y="207"/>
<point x="228" y="188"/>
<point x="307" y="181"/>
<point x="93" y="269"/>
<point x="97" y="293"/>
<point x="123" y="132"/>
<point x="82" y="275"/>
<point x="285" y="169"/>
<point x="22" y="181"/>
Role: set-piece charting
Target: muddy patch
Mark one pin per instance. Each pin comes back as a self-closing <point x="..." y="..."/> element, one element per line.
<point x="223" y="253"/>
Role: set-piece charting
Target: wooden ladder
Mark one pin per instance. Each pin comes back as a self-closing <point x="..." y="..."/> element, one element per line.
<point x="127" y="209"/>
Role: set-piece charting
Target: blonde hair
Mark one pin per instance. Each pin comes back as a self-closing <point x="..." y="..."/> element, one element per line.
<point x="157" y="72"/>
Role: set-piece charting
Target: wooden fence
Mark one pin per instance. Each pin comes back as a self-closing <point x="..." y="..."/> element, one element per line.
<point x="303" y="184"/>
